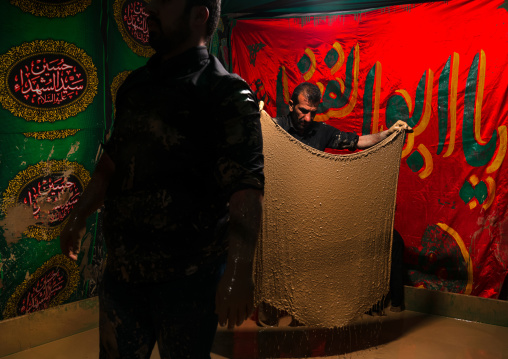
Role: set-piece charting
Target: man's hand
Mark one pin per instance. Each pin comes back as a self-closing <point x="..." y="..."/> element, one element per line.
<point x="70" y="237"/>
<point x="234" y="301"/>
<point x="89" y="202"/>
<point x="399" y="125"/>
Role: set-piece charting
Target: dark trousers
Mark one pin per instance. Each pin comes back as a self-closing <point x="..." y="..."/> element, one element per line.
<point x="179" y="315"/>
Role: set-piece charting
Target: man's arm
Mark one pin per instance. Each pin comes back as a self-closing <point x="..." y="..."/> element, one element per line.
<point x="90" y="201"/>
<point x="235" y="293"/>
<point x="367" y="141"/>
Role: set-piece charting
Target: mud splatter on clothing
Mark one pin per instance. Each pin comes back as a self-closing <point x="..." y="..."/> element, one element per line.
<point x="186" y="136"/>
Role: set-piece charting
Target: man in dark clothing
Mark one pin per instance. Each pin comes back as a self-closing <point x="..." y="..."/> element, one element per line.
<point x="300" y="124"/>
<point x="181" y="180"/>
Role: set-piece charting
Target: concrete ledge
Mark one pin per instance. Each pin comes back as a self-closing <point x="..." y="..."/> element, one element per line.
<point x="460" y="306"/>
<point x="31" y="330"/>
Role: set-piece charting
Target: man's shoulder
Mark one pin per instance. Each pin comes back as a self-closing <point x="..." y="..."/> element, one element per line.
<point x="139" y="73"/>
<point x="324" y="127"/>
<point x="133" y="78"/>
<point x="223" y="80"/>
<point x="227" y="87"/>
<point x="282" y="121"/>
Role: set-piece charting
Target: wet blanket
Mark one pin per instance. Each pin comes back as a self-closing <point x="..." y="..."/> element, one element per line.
<point x="324" y="252"/>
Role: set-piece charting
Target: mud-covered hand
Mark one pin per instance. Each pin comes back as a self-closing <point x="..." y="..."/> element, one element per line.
<point x="70" y="237"/>
<point x="89" y="202"/>
<point x="234" y="301"/>
<point x="399" y="125"/>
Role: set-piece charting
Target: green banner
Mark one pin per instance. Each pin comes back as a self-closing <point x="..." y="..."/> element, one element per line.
<point x="61" y="63"/>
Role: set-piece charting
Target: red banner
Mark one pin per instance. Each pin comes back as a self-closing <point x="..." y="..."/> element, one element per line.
<point x="441" y="68"/>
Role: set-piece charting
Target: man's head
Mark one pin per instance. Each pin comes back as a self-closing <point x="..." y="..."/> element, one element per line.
<point x="177" y="25"/>
<point x="303" y="105"/>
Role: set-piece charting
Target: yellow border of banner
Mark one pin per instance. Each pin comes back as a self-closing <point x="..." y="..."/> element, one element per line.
<point x="115" y="85"/>
<point x="51" y="135"/>
<point x="62" y="9"/>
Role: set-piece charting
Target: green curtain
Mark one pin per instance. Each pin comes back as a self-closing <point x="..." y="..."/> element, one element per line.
<point x="60" y="65"/>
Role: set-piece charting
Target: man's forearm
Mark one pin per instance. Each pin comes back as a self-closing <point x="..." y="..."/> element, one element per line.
<point x="91" y="200"/>
<point x="367" y="141"/>
<point x="235" y="293"/>
<point x="93" y="196"/>
<point x="245" y="219"/>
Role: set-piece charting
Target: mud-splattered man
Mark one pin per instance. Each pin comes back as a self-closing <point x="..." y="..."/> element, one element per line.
<point x="182" y="183"/>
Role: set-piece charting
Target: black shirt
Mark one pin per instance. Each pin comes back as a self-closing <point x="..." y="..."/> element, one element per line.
<point x="186" y="136"/>
<point x="320" y="136"/>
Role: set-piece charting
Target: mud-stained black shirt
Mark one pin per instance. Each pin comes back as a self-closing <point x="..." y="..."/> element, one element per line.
<point x="186" y="136"/>
<point x="320" y="135"/>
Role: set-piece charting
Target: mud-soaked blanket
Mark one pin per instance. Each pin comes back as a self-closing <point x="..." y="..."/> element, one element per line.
<point x="324" y="251"/>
